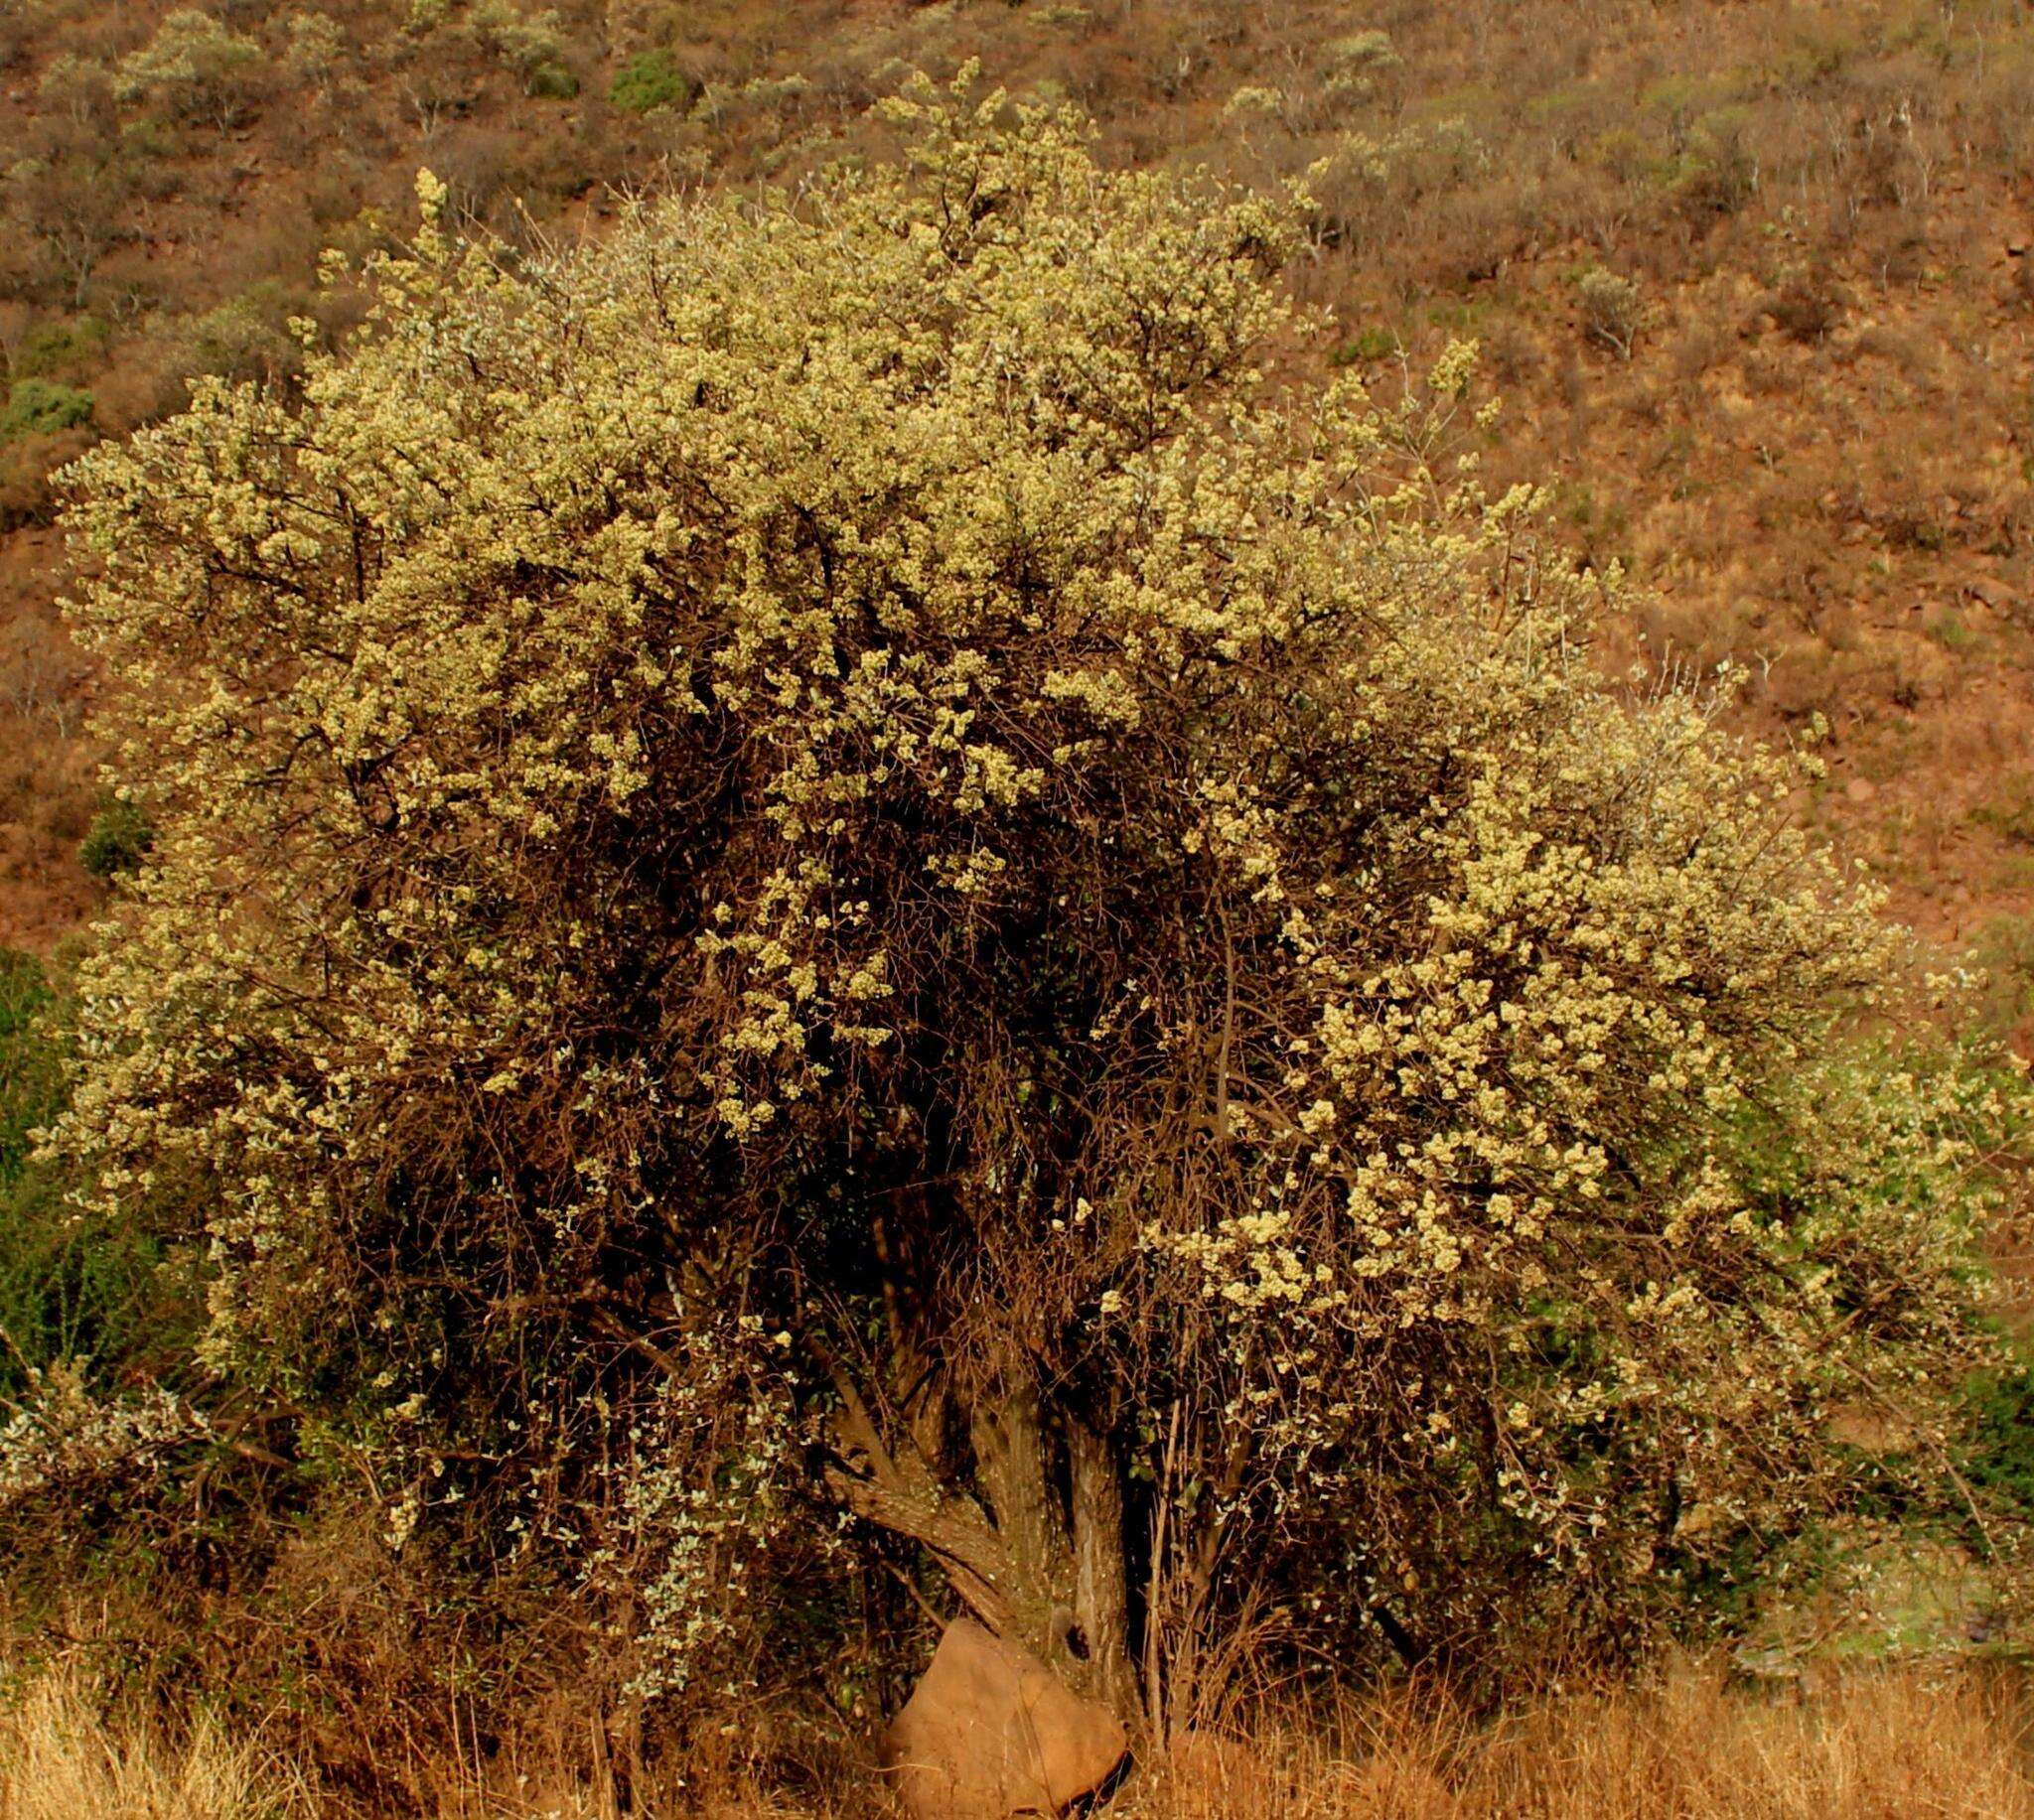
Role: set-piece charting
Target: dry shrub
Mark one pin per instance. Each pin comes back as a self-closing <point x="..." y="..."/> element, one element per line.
<point x="1804" y="305"/>
<point x="26" y="463"/>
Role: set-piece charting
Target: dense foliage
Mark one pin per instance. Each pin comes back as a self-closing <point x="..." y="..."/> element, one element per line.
<point x="826" y="855"/>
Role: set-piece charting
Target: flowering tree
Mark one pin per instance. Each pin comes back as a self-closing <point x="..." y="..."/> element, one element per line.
<point x="824" y="855"/>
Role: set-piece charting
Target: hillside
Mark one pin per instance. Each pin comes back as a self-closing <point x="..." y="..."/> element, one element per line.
<point x="1799" y="409"/>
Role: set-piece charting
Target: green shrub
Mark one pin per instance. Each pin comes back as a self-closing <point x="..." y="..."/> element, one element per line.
<point x="1375" y="342"/>
<point x="551" y="81"/>
<point x="42" y="407"/>
<point x="1613" y="310"/>
<point x="61" y="350"/>
<point x="116" y="841"/>
<point x="70" y="1287"/>
<point x="653" y="81"/>
<point x="1998" y="1453"/>
<point x="26" y="1072"/>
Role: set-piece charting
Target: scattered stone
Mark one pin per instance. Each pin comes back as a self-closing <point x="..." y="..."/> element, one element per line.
<point x="990" y="1731"/>
<point x="1993" y="595"/>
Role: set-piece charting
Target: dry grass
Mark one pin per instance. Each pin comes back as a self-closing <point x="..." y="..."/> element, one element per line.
<point x="1872" y="1746"/>
<point x="60" y="1759"/>
<point x="1881" y="1744"/>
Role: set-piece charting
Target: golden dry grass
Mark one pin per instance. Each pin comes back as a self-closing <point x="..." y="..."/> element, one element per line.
<point x="60" y="1759"/>
<point x="1874" y="1747"/>
<point x="1889" y="1745"/>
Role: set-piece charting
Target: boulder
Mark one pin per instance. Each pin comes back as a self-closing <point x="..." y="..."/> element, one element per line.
<point x="991" y="1732"/>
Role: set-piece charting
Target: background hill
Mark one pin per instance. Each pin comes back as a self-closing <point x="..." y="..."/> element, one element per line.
<point x="1753" y="279"/>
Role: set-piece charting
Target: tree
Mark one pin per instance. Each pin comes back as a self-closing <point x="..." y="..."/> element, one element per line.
<point x="315" y="48"/>
<point x="202" y="66"/>
<point x="532" y="45"/>
<point x="1613" y="311"/>
<point x="827" y="856"/>
<point x="73" y="200"/>
<point x="81" y="88"/>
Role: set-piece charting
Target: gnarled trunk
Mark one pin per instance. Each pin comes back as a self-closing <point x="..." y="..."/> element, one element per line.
<point x="1101" y="1573"/>
<point x="1036" y="1551"/>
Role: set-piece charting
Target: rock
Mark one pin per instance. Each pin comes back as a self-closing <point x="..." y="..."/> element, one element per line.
<point x="1993" y="595"/>
<point x="991" y="1732"/>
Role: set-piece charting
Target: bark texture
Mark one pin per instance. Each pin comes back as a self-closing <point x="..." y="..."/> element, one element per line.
<point x="1034" y="1549"/>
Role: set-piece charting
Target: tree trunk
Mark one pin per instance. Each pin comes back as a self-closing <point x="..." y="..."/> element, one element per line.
<point x="1035" y="1563"/>
<point x="1010" y="1454"/>
<point x="1102" y="1602"/>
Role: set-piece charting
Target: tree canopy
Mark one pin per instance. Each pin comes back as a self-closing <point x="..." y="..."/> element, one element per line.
<point x="837" y="855"/>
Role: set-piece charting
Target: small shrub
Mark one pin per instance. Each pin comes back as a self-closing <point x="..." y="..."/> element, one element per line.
<point x="26" y="465"/>
<point x="525" y="42"/>
<point x="650" y="82"/>
<point x="1805" y="308"/>
<point x="42" y="407"/>
<point x="1373" y="343"/>
<point x="247" y="337"/>
<point x="1719" y="173"/>
<point x="118" y="841"/>
<point x="1359" y="63"/>
<point x="1613" y="310"/>
<point x="550" y="80"/>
